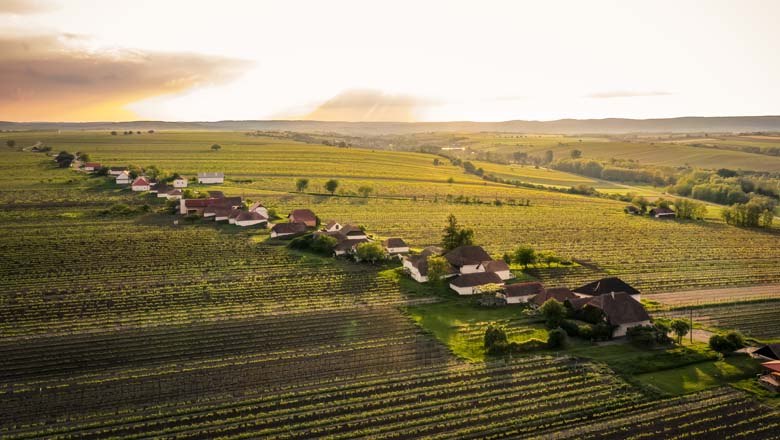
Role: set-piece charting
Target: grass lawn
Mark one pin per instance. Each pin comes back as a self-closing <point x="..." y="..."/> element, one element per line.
<point x="461" y="325"/>
<point x="697" y="377"/>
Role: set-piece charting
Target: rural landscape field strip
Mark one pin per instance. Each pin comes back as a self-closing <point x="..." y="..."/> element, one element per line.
<point x="756" y="319"/>
<point x="715" y="296"/>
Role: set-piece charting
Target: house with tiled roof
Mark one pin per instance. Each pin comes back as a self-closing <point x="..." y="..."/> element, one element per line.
<point x="141" y="184"/>
<point x="607" y="285"/>
<point x="619" y="310"/>
<point x="470" y="283"/>
<point x="522" y="292"/>
<point x="247" y="218"/>
<point x="305" y="216"/>
<point x="287" y="230"/>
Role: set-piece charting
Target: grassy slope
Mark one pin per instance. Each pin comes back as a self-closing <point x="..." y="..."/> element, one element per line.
<point x="700" y="376"/>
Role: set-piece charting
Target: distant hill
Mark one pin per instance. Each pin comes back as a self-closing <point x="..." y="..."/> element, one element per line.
<point x="728" y="124"/>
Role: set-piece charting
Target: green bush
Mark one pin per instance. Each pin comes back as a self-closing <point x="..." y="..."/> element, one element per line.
<point x="570" y="327"/>
<point x="557" y="338"/>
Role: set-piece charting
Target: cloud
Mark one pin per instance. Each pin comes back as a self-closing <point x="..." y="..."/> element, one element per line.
<point x="20" y="7"/>
<point x="626" y="94"/>
<point x="368" y="106"/>
<point x="50" y="78"/>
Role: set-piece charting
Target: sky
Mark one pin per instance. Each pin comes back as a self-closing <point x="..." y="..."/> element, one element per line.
<point x="188" y="60"/>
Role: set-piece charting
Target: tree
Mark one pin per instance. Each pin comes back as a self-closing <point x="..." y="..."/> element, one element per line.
<point x="689" y="209"/>
<point x="557" y="338"/>
<point x="680" y="328"/>
<point x="365" y="191"/>
<point x="641" y="203"/>
<point x="64" y="159"/>
<point x="437" y="268"/>
<point x="113" y="133"/>
<point x="727" y="344"/>
<point x="370" y="251"/>
<point x="11" y="143"/>
<point x="301" y="184"/>
<point x="553" y="312"/>
<point x="216" y="147"/>
<point x="450" y="180"/>
<point x="495" y="340"/>
<point x="548" y="257"/>
<point x="575" y="154"/>
<point x="525" y="255"/>
<point x="331" y="185"/>
<point x="455" y="236"/>
<point x="548" y="156"/>
<point x="436" y="162"/>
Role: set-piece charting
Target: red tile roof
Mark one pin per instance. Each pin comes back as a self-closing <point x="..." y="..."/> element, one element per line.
<point x="141" y="181"/>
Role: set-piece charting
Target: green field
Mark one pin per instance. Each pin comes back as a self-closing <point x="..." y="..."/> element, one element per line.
<point x="133" y="327"/>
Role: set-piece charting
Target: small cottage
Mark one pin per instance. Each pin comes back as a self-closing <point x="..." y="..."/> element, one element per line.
<point x="180" y="182"/>
<point x="141" y="184"/>
<point x="245" y="219"/>
<point x="620" y="310"/>
<point x="287" y="230"/>
<point x="305" y="216"/>
<point x="123" y="178"/>
<point x="332" y="226"/>
<point x="560" y="294"/>
<point x="469" y="284"/>
<point x="662" y="213"/>
<point x="211" y="178"/>
<point x="771" y="377"/>
<point x="522" y="292"/>
<point x="395" y="246"/>
<point x="467" y="259"/>
<point x="499" y="267"/>
<point x="91" y="166"/>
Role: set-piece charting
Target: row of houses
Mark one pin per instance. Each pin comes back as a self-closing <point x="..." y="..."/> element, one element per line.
<point x="659" y="212"/>
<point x="470" y="267"/>
<point x="220" y="208"/>
<point x="347" y="236"/>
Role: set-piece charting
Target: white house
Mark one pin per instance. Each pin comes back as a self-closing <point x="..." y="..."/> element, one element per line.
<point x="123" y="178"/>
<point x="522" y="292"/>
<point x="259" y="208"/>
<point x="395" y="246"/>
<point x="211" y="178"/>
<point x="468" y="259"/>
<point x="469" y="284"/>
<point x="180" y="182"/>
<point x="141" y="184"/>
<point x="287" y="230"/>
<point x="332" y="226"/>
<point x="250" y="219"/>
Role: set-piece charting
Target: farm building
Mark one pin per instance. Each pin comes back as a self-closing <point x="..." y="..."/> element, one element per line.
<point x="211" y="178"/>
<point x="91" y="166"/>
<point x="180" y="182"/>
<point x="305" y="216"/>
<point x="332" y="226"/>
<point x="417" y="265"/>
<point x="522" y="292"/>
<point x="351" y="232"/>
<point x="141" y="184"/>
<point x="115" y="171"/>
<point x="198" y="206"/>
<point x="560" y="294"/>
<point x="162" y="190"/>
<point x="467" y="259"/>
<point x="620" y="310"/>
<point x="631" y="209"/>
<point x="174" y="194"/>
<point x="221" y="214"/>
<point x="661" y="213"/>
<point x="259" y="208"/>
<point x="771" y="377"/>
<point x="499" y="267"/>
<point x="348" y="245"/>
<point x="250" y="219"/>
<point x="607" y="285"/>
<point x="287" y="230"/>
<point x="470" y="283"/>
<point x="770" y="352"/>
<point x="395" y="246"/>
<point x="123" y="178"/>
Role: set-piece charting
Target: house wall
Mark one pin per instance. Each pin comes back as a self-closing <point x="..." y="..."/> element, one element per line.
<point x="414" y="273"/>
<point x="249" y="222"/>
<point x="140" y="188"/>
<point x="398" y="250"/>
<point x="462" y="290"/>
<point x="179" y="183"/>
<point x="211" y="180"/>
<point x="123" y="181"/>
<point x="275" y="234"/>
<point x="518" y="299"/>
<point x="622" y="329"/>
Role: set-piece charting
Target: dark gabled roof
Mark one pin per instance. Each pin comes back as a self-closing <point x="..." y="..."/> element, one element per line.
<point x="619" y="308"/>
<point x="216" y="194"/>
<point x="606" y="285"/>
<point x="163" y="188"/>
<point x="466" y="255"/>
<point x="227" y="201"/>
<point x="495" y="266"/>
<point x="661" y="210"/>
<point x="477" y="279"/>
<point x="345" y="245"/>
<point x="523" y="289"/>
<point x="289" y="228"/>
<point x="771" y="351"/>
<point x="331" y="223"/>
<point x="303" y="215"/>
<point x="247" y="215"/>
<point x="560" y="294"/>
<point x="351" y="229"/>
<point x="394" y="243"/>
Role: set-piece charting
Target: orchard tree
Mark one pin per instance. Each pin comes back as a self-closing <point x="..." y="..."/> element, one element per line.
<point x="301" y="184"/>
<point x="680" y="328"/>
<point x="525" y="255"/>
<point x="365" y="191"/>
<point x="216" y="147"/>
<point x="437" y="269"/>
<point x="370" y="251"/>
<point x="331" y="185"/>
<point x="456" y="236"/>
<point x="11" y="143"/>
<point x="553" y="312"/>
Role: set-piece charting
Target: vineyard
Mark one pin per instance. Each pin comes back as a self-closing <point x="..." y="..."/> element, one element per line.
<point x="754" y="319"/>
<point x="136" y="327"/>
